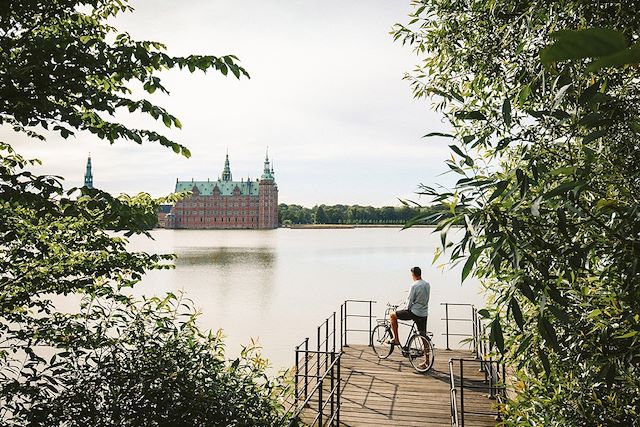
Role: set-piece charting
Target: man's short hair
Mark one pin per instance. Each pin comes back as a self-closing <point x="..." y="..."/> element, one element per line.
<point x="416" y="271"/>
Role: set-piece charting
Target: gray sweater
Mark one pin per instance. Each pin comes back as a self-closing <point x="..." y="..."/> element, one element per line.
<point x="418" y="301"/>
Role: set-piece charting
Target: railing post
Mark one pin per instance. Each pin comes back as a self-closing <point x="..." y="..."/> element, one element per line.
<point x="446" y="317"/>
<point x="306" y="367"/>
<point x="492" y="381"/>
<point x="297" y="373"/>
<point x="474" y="315"/>
<point x="341" y="320"/>
<point x="334" y="331"/>
<point x="318" y="355"/>
<point x="345" y="324"/>
<point x="320" y="402"/>
<point x="370" y="315"/>
<point x="461" y="393"/>
<point x="326" y="336"/>
<point x="339" y="390"/>
<point x="333" y="358"/>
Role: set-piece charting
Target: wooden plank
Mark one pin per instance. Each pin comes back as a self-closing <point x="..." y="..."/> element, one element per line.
<point x="390" y="392"/>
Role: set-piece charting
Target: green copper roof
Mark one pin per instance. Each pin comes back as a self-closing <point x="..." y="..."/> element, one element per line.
<point x="225" y="185"/>
<point x="226" y="173"/>
<point x="88" y="175"/>
<point x="267" y="173"/>
<point x="226" y="188"/>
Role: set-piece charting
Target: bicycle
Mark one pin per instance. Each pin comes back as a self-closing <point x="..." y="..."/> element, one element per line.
<point x="417" y="348"/>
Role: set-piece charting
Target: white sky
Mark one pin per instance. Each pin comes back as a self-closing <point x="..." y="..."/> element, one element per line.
<point x="326" y="96"/>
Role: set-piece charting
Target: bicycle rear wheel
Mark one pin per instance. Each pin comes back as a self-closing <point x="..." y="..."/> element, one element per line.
<point x="380" y="336"/>
<point x="420" y="353"/>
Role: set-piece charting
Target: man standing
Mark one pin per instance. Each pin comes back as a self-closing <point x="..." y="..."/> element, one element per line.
<point x="417" y="306"/>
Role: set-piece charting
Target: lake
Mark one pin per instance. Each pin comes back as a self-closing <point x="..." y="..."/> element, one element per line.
<point x="277" y="286"/>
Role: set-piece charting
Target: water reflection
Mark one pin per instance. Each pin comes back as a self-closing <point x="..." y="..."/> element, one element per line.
<point x="226" y="256"/>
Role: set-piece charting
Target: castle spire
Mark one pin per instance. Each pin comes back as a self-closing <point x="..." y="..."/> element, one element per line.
<point x="226" y="174"/>
<point x="88" y="175"/>
<point x="267" y="173"/>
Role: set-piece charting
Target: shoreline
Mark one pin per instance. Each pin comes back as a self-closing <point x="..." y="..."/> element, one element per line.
<point x="314" y="227"/>
<point x="349" y="226"/>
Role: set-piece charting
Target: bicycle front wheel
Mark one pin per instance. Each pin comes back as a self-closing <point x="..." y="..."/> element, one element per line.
<point x="420" y="353"/>
<point x="380" y="337"/>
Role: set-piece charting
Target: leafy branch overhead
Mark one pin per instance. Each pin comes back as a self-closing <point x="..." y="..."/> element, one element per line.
<point x="605" y="47"/>
<point x="64" y="68"/>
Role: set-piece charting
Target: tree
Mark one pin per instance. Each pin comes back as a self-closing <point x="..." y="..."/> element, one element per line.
<point x="320" y="217"/>
<point x="545" y="140"/>
<point x="63" y="70"/>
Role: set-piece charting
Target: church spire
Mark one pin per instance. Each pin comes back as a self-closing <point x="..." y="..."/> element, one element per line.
<point x="226" y="174"/>
<point x="88" y="175"/>
<point x="267" y="173"/>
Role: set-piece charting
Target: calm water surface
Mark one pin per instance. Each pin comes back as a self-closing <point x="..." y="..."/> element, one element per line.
<point x="277" y="286"/>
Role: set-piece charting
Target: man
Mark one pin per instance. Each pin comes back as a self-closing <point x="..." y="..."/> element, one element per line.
<point x="417" y="306"/>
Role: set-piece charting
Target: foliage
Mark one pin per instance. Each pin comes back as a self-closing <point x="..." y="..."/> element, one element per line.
<point x="63" y="68"/>
<point x="544" y="113"/>
<point x="108" y="360"/>
<point x="151" y="365"/>
<point x="355" y="214"/>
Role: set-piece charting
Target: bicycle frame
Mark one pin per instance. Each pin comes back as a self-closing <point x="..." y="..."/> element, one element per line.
<point x="412" y="331"/>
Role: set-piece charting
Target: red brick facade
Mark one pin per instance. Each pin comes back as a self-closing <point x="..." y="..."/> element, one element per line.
<point x="226" y="204"/>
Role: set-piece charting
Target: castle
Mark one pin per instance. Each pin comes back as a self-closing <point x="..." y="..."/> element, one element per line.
<point x="226" y="203"/>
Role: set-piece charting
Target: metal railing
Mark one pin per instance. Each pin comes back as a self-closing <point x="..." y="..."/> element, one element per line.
<point x="345" y="314"/>
<point x="494" y="370"/>
<point x="317" y="368"/>
<point x="473" y="335"/>
<point x="494" y="384"/>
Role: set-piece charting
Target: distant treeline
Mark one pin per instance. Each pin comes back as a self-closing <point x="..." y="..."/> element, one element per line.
<point x="354" y="214"/>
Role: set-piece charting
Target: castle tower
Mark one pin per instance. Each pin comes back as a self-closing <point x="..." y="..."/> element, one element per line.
<point x="88" y="175"/>
<point x="226" y="173"/>
<point x="268" y="203"/>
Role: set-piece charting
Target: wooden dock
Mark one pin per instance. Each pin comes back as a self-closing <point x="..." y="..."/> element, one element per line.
<point x="390" y="393"/>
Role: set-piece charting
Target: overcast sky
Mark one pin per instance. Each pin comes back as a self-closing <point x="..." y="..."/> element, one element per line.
<point x="326" y="96"/>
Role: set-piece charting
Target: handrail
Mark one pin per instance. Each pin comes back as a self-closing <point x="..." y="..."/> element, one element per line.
<point x="448" y="319"/>
<point x="496" y="387"/>
<point x="322" y="363"/>
<point x="453" y="396"/>
<point x="318" y="385"/>
<point x="344" y="316"/>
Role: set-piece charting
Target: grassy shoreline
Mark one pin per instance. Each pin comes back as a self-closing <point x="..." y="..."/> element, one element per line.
<point x="349" y="226"/>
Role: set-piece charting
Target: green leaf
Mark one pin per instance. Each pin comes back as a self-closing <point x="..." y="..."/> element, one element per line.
<point x="471" y="261"/>
<point x="580" y="44"/>
<point x="484" y="313"/>
<point x="499" y="189"/>
<point x="495" y="334"/>
<point x="444" y="135"/>
<point x="470" y="115"/>
<point x="563" y="188"/>
<point x="594" y="135"/>
<point x="548" y="332"/>
<point x="506" y="112"/>
<point x="517" y="313"/>
<point x="524" y="94"/>
<point x="626" y="57"/>
<point x="545" y="361"/>
<point x="627" y="335"/>
<point x="560" y="314"/>
<point x="457" y="150"/>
